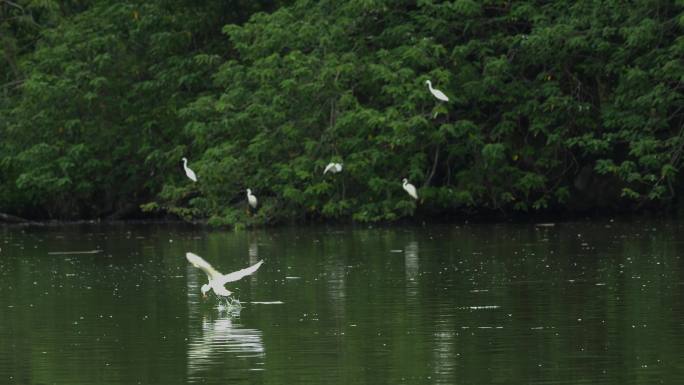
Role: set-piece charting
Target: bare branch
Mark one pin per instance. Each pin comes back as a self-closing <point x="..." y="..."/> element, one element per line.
<point x="12" y="4"/>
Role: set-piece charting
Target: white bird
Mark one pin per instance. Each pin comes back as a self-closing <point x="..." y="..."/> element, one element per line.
<point x="333" y="168"/>
<point x="188" y="171"/>
<point x="251" y="199"/>
<point x="218" y="280"/>
<point x="410" y="189"/>
<point x="437" y="93"/>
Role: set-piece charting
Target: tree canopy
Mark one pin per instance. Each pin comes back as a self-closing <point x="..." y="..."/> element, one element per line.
<point x="554" y="106"/>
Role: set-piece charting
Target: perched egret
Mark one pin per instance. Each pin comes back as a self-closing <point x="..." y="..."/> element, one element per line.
<point x="410" y="189"/>
<point x="251" y="199"/>
<point x="217" y="280"/>
<point x="333" y="168"/>
<point x="188" y="171"/>
<point x="437" y="93"/>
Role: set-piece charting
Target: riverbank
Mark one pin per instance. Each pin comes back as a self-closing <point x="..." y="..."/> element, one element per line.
<point x="492" y="218"/>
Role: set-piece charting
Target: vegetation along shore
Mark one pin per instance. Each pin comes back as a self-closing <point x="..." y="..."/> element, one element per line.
<point x="553" y="107"/>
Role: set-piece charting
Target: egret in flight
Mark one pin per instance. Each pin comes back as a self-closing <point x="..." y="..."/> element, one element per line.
<point x="333" y="168"/>
<point x="188" y="171"/>
<point x="437" y="93"/>
<point x="251" y="199"/>
<point x="218" y="280"/>
<point x="410" y="189"/>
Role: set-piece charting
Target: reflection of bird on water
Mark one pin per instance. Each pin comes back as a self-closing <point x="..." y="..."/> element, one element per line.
<point x="218" y="337"/>
<point x="217" y="280"/>
<point x="253" y="252"/>
<point x="412" y="266"/>
<point x="411" y="260"/>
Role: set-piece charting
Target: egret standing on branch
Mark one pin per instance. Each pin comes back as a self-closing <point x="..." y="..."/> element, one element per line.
<point x="333" y="168"/>
<point x="251" y="199"/>
<point x="437" y="93"/>
<point x="216" y="279"/>
<point x="188" y="171"/>
<point x="410" y="189"/>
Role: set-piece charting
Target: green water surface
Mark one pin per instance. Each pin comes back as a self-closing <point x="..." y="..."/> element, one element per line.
<point x="572" y="303"/>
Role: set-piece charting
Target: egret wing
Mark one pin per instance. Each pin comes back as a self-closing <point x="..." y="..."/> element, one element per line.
<point x="191" y="174"/>
<point x="411" y="190"/>
<point x="441" y="96"/>
<point x="220" y="290"/>
<point x="200" y="263"/>
<point x="237" y="275"/>
<point x="413" y="193"/>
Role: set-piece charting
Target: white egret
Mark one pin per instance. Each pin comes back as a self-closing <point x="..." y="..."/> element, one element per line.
<point x="188" y="171"/>
<point x="410" y="189"/>
<point x="333" y="168"/>
<point x="217" y="280"/>
<point x="251" y="199"/>
<point x="437" y="93"/>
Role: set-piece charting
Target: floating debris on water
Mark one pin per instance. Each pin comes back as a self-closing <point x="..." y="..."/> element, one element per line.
<point x="267" y="302"/>
<point x="75" y="252"/>
<point x="291" y="277"/>
<point x="485" y="307"/>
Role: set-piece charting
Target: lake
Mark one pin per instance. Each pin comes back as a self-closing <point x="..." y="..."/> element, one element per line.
<point x="598" y="302"/>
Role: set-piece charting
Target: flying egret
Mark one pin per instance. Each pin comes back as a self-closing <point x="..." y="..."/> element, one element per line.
<point x="251" y="199"/>
<point x="333" y="168"/>
<point x="217" y="280"/>
<point x="188" y="171"/>
<point x="437" y="93"/>
<point x="410" y="189"/>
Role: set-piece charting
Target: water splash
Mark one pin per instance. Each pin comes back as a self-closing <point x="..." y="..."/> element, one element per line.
<point x="230" y="306"/>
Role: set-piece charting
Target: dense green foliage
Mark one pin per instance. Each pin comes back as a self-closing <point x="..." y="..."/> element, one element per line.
<point x="557" y="105"/>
